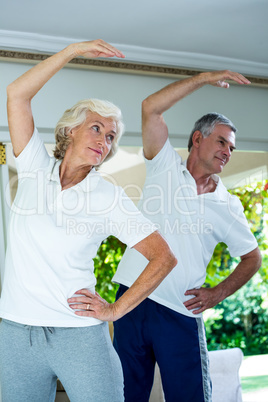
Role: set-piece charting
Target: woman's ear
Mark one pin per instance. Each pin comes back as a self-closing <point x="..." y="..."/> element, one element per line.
<point x="69" y="132"/>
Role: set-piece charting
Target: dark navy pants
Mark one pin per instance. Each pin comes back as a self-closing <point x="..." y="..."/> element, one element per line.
<point x="154" y="333"/>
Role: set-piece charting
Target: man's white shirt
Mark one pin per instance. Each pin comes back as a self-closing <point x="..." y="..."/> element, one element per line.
<point x="192" y="224"/>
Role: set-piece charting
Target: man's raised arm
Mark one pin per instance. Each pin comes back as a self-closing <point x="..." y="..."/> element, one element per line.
<point x="154" y="129"/>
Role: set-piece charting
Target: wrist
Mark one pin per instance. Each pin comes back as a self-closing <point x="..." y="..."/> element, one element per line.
<point x="70" y="51"/>
<point x="204" y="78"/>
<point x="116" y="311"/>
<point x="221" y="292"/>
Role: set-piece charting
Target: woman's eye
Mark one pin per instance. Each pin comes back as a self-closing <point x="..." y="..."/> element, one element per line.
<point x="110" y="138"/>
<point x="96" y="128"/>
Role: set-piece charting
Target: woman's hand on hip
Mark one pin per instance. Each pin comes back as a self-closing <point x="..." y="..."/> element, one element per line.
<point x="92" y="305"/>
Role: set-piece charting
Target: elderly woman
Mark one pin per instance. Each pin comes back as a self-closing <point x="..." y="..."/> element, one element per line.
<point x="63" y="210"/>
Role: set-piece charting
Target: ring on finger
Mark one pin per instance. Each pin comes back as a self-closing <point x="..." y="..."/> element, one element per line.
<point x="88" y="307"/>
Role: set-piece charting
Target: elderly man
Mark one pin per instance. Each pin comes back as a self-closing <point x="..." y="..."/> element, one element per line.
<point x="194" y="212"/>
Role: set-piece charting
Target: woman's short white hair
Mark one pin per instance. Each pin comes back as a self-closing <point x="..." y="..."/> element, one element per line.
<point x="76" y="115"/>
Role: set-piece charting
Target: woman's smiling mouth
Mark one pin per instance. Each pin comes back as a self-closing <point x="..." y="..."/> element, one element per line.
<point x="98" y="151"/>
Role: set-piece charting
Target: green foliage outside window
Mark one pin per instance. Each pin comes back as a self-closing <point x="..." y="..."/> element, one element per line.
<point x="242" y="319"/>
<point x="106" y="261"/>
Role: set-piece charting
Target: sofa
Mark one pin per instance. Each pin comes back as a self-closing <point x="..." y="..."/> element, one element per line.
<point x="224" y="372"/>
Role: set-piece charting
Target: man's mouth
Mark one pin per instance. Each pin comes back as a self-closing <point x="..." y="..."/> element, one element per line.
<point x="222" y="160"/>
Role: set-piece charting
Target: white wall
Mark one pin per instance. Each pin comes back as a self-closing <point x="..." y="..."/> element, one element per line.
<point x="246" y="106"/>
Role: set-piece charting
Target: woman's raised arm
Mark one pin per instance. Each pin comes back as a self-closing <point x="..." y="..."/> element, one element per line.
<point x="22" y="90"/>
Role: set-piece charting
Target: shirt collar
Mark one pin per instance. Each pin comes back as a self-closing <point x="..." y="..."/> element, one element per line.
<point x="220" y="194"/>
<point x="184" y="165"/>
<point x="55" y="171"/>
<point x="89" y="183"/>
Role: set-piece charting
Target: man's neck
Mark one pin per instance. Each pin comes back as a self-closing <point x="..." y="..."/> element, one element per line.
<point x="204" y="181"/>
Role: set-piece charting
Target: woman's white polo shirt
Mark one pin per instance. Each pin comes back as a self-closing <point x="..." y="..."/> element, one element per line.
<point x="54" y="236"/>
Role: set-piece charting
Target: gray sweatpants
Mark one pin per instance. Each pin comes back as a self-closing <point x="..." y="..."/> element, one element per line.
<point x="32" y="358"/>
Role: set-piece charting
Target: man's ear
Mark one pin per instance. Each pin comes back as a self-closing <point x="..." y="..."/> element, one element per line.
<point x="197" y="138"/>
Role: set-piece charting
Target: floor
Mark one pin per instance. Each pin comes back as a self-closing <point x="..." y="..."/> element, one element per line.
<point x="254" y="378"/>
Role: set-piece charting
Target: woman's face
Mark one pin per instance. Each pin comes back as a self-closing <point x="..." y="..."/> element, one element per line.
<point x="92" y="141"/>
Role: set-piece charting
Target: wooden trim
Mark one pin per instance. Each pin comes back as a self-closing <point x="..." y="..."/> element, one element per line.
<point x="116" y="66"/>
<point x="3" y="159"/>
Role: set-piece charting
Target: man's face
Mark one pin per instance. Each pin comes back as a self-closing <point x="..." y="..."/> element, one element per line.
<point x="216" y="149"/>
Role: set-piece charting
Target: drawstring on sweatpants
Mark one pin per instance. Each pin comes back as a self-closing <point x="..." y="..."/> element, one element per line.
<point x="30" y="328"/>
<point x="49" y="329"/>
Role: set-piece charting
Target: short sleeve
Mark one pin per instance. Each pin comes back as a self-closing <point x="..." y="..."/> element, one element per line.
<point x="34" y="156"/>
<point x="163" y="161"/>
<point x="239" y="238"/>
<point x="127" y="223"/>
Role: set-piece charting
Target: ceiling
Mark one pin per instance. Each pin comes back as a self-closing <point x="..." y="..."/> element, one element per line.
<point x="194" y="34"/>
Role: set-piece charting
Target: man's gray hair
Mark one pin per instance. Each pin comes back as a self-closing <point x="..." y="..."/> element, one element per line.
<point x="207" y="123"/>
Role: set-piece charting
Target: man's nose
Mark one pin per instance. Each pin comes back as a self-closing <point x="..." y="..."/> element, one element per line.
<point x="227" y="152"/>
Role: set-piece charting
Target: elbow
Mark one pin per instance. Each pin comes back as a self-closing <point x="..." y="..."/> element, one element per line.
<point x="253" y="259"/>
<point x="12" y="93"/>
<point x="16" y="92"/>
<point x="170" y="260"/>
<point x="165" y="256"/>
<point x="259" y="262"/>
<point x="258" y="259"/>
<point x="151" y="107"/>
<point x="10" y="90"/>
<point x="173" y="261"/>
<point x="147" y="107"/>
<point x="165" y="259"/>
